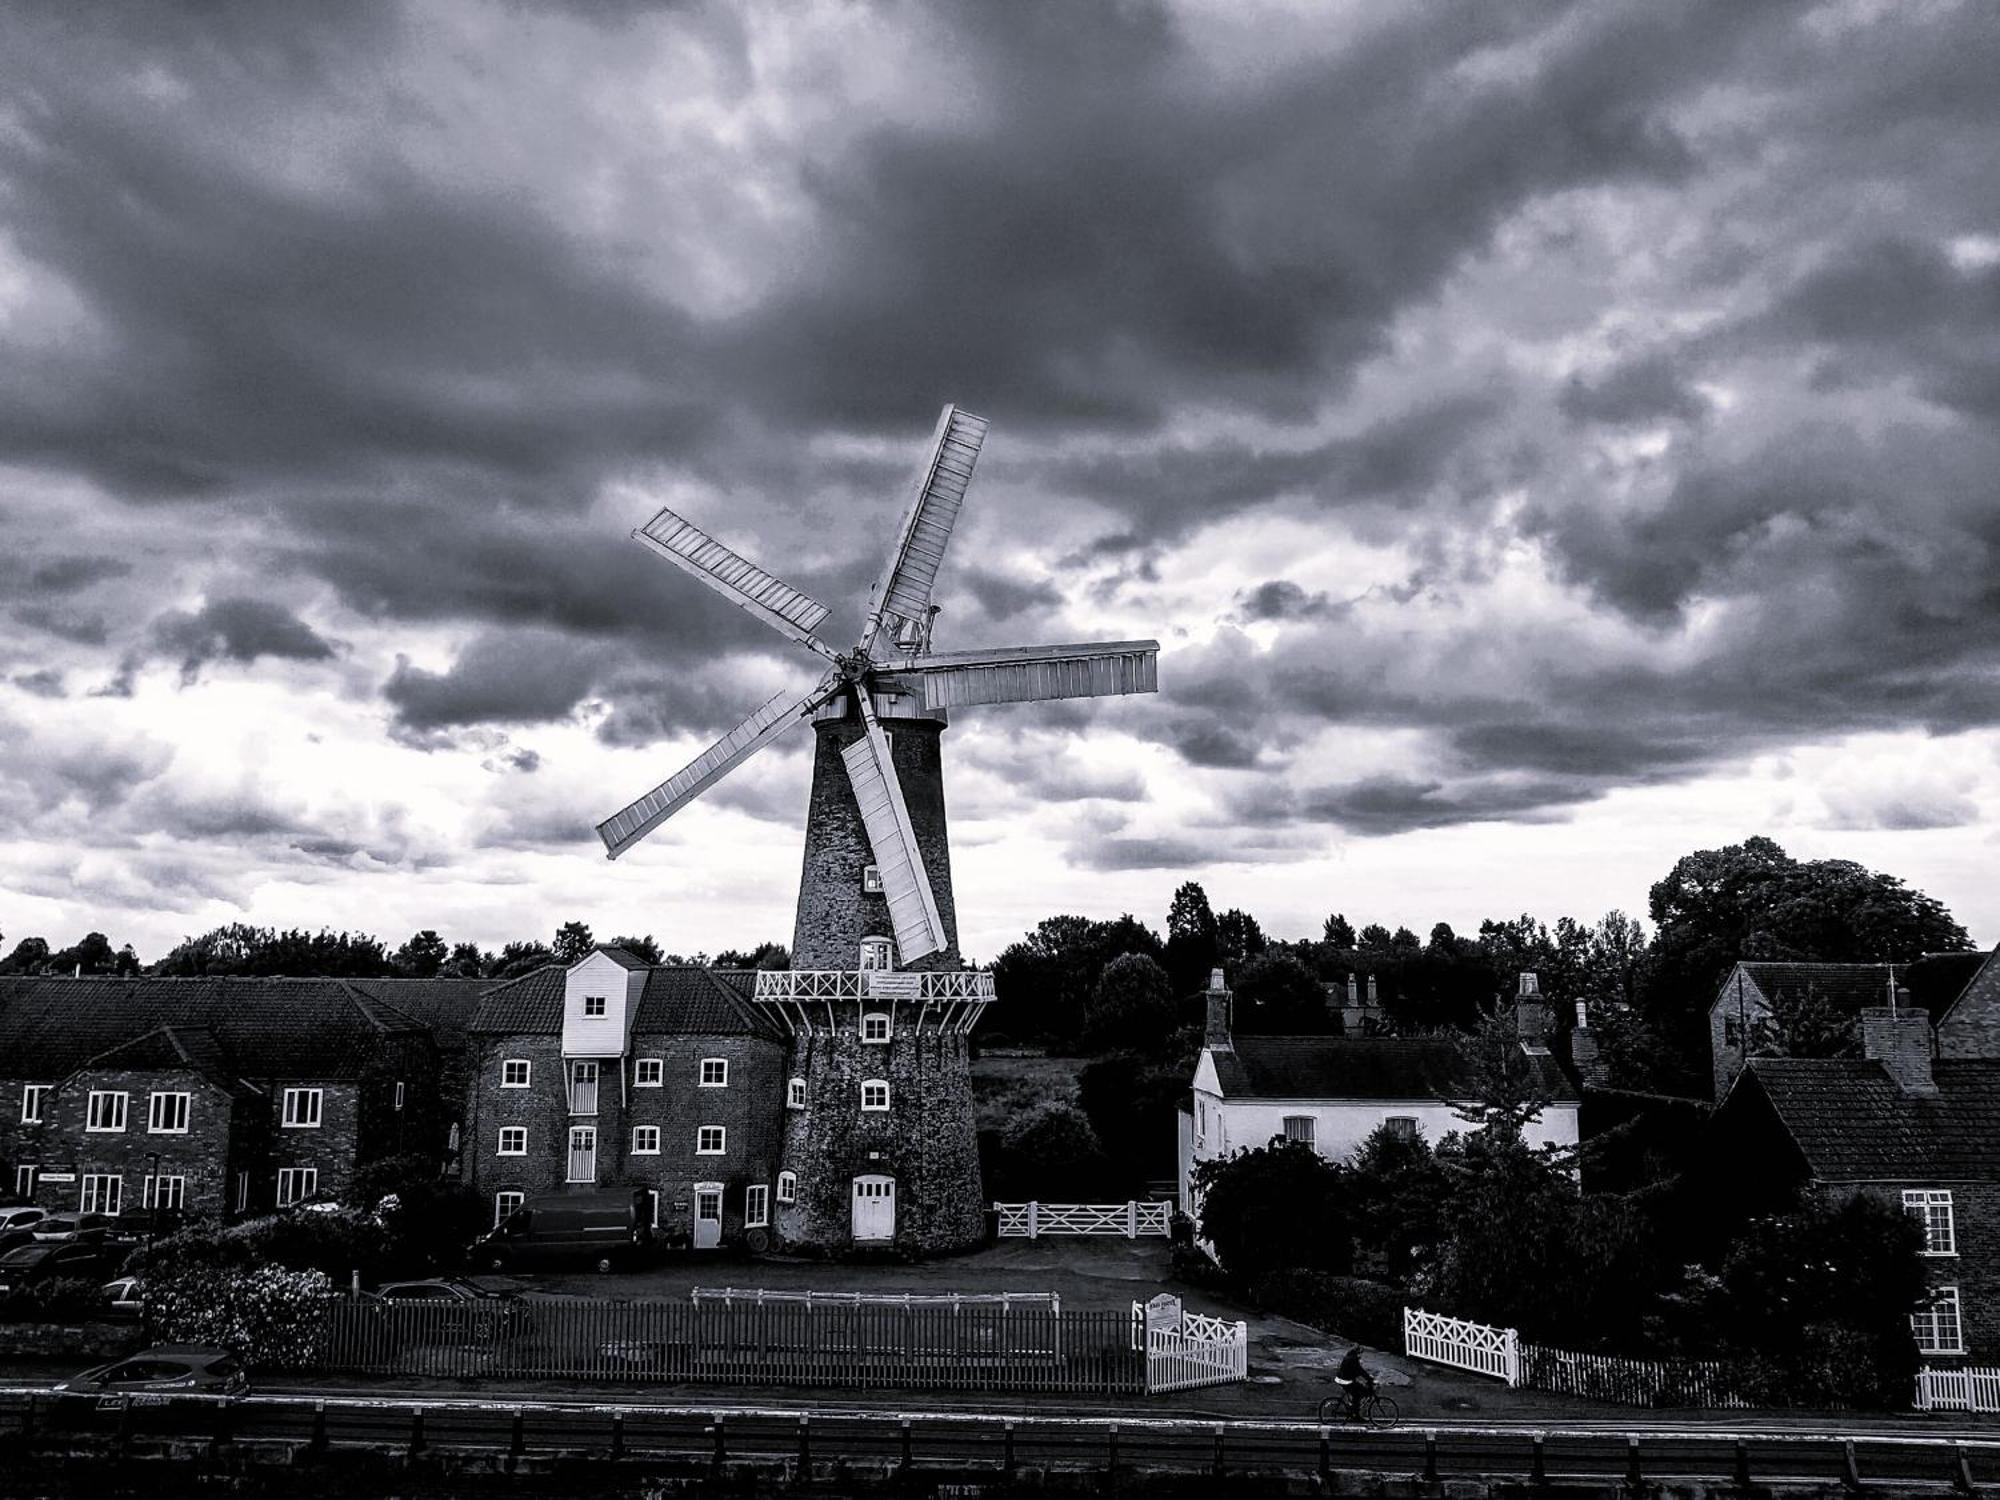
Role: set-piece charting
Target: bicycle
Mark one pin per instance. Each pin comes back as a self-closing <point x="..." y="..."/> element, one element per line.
<point x="1377" y="1410"/>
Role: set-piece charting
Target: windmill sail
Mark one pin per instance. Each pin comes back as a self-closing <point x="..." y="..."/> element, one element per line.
<point x="913" y="910"/>
<point x="627" y="826"/>
<point x="736" y="578"/>
<point x="905" y="589"/>
<point x="1023" y="674"/>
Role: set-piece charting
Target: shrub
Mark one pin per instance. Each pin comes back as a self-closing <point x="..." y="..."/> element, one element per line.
<point x="333" y="1241"/>
<point x="1275" y="1208"/>
<point x="1050" y="1154"/>
<point x="1367" y="1312"/>
<point x="274" y="1318"/>
<point x="57" y="1300"/>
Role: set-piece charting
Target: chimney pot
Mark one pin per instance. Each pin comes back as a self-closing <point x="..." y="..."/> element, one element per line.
<point x="1216" y="1033"/>
<point x="1582" y="1016"/>
<point x="1900" y="1040"/>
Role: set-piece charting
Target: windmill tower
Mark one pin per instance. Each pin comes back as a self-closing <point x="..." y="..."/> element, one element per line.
<point x="878" y="1139"/>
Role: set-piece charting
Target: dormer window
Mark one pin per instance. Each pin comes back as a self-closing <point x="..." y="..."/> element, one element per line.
<point x="875" y="1027"/>
<point x="876" y="953"/>
<point x="593" y="1005"/>
<point x="871" y="879"/>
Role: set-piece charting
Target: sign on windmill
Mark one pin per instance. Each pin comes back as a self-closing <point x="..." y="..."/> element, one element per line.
<point x="892" y="660"/>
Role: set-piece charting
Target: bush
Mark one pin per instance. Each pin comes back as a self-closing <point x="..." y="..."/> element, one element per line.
<point x="1366" y="1312"/>
<point x="1275" y="1208"/>
<point x="1050" y="1154"/>
<point x="429" y="1220"/>
<point x="274" y="1318"/>
<point x="335" y="1242"/>
<point x="61" y="1299"/>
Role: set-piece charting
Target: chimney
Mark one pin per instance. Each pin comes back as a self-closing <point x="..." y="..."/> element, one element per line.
<point x="1531" y="1015"/>
<point x="1373" y="998"/>
<point x="1354" y="1015"/>
<point x="1900" y="1040"/>
<point x="1530" y="984"/>
<point x="1583" y="1051"/>
<point x="1353" y="988"/>
<point x="1217" y="1035"/>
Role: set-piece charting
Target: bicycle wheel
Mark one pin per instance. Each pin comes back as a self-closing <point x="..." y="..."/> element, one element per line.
<point x="1332" y="1410"/>
<point x="1380" y="1411"/>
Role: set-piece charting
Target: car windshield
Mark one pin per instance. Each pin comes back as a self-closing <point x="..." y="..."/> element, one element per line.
<point x="227" y="1366"/>
<point x="25" y="1255"/>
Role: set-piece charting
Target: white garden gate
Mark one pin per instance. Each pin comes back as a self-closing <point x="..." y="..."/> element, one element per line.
<point x="1478" y="1347"/>
<point x="1197" y="1350"/>
<point x="1970" y="1389"/>
<point x="1033" y="1220"/>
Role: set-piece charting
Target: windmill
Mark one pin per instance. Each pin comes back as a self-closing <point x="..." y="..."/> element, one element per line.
<point x="891" y="671"/>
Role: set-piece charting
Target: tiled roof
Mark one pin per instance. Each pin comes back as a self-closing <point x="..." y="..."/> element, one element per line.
<point x="171" y="1047"/>
<point x="1334" y="1067"/>
<point x="619" y="956"/>
<point x="262" y="1028"/>
<point x="1848" y="986"/>
<point x="685" y="1000"/>
<point x="1981" y="990"/>
<point x="446" y="1006"/>
<point x="1854" y="1124"/>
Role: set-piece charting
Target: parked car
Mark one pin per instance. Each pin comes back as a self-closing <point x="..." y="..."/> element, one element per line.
<point x="21" y="1216"/>
<point x="26" y="1265"/>
<point x="74" y="1227"/>
<point x="167" y="1370"/>
<point x="606" y="1230"/>
<point x="464" y="1309"/>
<point x="437" y="1289"/>
<point x="127" y="1295"/>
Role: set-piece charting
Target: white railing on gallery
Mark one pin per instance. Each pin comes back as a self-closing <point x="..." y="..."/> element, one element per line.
<point x="1131" y="1220"/>
<point x="1478" y="1347"/>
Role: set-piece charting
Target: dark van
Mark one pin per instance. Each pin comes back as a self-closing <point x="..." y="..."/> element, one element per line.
<point x="604" y="1230"/>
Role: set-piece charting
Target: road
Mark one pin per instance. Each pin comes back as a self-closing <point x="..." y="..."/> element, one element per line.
<point x="960" y="1440"/>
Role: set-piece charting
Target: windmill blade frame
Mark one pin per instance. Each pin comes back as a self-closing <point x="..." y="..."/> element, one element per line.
<point x="906" y="885"/>
<point x="640" y="817"/>
<point x="714" y="563"/>
<point x="1030" y="674"/>
<point x="912" y="569"/>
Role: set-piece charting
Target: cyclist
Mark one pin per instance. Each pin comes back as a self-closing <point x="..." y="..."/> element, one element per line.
<point x="1353" y="1376"/>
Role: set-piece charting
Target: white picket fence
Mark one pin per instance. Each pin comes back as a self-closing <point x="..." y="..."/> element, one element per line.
<point x="1478" y="1347"/>
<point x="1975" y="1389"/>
<point x="1032" y="1220"/>
<point x="1201" y="1351"/>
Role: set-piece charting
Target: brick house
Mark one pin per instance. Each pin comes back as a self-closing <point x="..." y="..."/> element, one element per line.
<point x="1909" y="1122"/>
<point x="612" y="1073"/>
<point x="238" y="1094"/>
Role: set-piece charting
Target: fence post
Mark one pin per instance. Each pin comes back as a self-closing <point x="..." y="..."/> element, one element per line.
<point x="225" y="1424"/>
<point x="717" y="1457"/>
<point x="517" y="1437"/>
<point x="1325" y="1455"/>
<point x="805" y="1452"/>
<point x="1111" y="1443"/>
<point x="1430" y="1455"/>
<point x="1008" y="1460"/>
<point x="1510" y="1347"/>
<point x="1963" y="1478"/>
<point x="905" y="1436"/>
<point x="1218" y="1450"/>
<point x="28" y="1419"/>
<point x="1635" y="1478"/>
<point x="1742" y="1464"/>
<point x="416" y="1431"/>
<point x="317" y="1445"/>
<point x="1034" y="1218"/>
<point x="1851" y="1469"/>
<point x="1538" y="1471"/>
<point x="618" y="1434"/>
<point x="1131" y="1218"/>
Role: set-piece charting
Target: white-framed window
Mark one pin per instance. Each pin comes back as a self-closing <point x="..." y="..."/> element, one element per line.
<point x="1937" y="1326"/>
<point x="649" y="1073"/>
<point x="302" y="1109"/>
<point x="1201" y="1119"/>
<point x="1299" y="1128"/>
<point x="1932" y="1208"/>
<point x="34" y="1098"/>
<point x="652" y="1206"/>
<point x="163" y="1192"/>
<point x="715" y="1073"/>
<point x="103" y="1193"/>
<point x="871" y="879"/>
<point x="795" y="1094"/>
<point x="593" y="1005"/>
<point x="167" y="1114"/>
<point x="710" y="1140"/>
<point x="788" y="1187"/>
<point x="756" y="1206"/>
<point x="1402" y="1127"/>
<point x="515" y="1073"/>
<point x="504" y="1203"/>
<point x="107" y="1110"/>
<point x="874" y="1094"/>
<point x="296" y="1184"/>
<point x="24" y="1180"/>
<point x="645" y="1140"/>
<point x="399" y="1094"/>
<point x="513" y="1140"/>
<point x="877" y="953"/>
<point x="875" y="1027"/>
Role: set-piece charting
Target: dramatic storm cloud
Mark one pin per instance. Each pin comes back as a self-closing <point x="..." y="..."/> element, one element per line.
<point x="1544" y="438"/>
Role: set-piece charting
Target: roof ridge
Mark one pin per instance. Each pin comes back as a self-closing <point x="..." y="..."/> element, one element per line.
<point x="526" y="974"/>
<point x="757" y="1021"/>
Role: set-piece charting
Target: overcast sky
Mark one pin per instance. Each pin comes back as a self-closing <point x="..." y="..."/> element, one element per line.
<point x="1545" y="439"/>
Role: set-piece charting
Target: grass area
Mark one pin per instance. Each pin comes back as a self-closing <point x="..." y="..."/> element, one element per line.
<point x="1005" y="1088"/>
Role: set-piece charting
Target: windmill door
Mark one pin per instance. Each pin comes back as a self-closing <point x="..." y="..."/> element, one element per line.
<point x="874" y="1207"/>
<point x="707" y="1217"/>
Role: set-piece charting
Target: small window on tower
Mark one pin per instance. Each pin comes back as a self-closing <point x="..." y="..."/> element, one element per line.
<point x="795" y="1094"/>
<point x="871" y="879"/>
<point x="876" y="953"/>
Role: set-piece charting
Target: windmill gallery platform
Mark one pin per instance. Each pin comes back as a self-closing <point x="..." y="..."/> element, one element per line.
<point x="874" y="1141"/>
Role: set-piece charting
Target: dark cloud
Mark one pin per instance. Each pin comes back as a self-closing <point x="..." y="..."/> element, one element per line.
<point x="64" y="575"/>
<point x="514" y="677"/>
<point x="45" y="682"/>
<point x="79" y="627"/>
<point x="234" y="628"/>
<point x="1642" y="390"/>
<point x="1143" y="853"/>
<point x="1001" y="598"/>
<point x="1281" y="599"/>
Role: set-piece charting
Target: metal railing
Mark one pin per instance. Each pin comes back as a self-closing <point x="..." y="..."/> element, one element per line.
<point x="790" y="986"/>
<point x="857" y="1345"/>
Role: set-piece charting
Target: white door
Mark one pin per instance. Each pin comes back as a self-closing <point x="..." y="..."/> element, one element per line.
<point x="583" y="1153"/>
<point x="874" y="1207"/>
<point x="707" y="1217"/>
<point x="583" y="1087"/>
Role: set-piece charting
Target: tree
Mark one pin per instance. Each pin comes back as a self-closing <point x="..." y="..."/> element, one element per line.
<point x="1238" y="939"/>
<point x="422" y="956"/>
<point x="1277" y="995"/>
<point x="1192" y="947"/>
<point x="1274" y="1208"/>
<point x="1044" y="982"/>
<point x="466" y="962"/>
<point x="1337" y="932"/>
<point x="1505" y="1092"/>
<point x="763" y="956"/>
<point x="642" y="948"/>
<point x="1051" y="1153"/>
<point x="1131" y="1100"/>
<point x="1374" y="938"/>
<point x="92" y="955"/>
<point x="1395" y="1193"/>
<point x="515" y="959"/>
<point x="1443" y="941"/>
<point x="1188" y="915"/>
<point x="1132" y="1006"/>
<point x="28" y="957"/>
<point x="573" y="943"/>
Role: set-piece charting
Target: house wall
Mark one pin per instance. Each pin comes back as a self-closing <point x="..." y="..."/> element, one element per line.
<point x="602" y="976"/>
<point x="1341" y="1127"/>
<point x="1733" y="1017"/>
<point x="63" y="1145"/>
<point x="1971" y="1028"/>
<point x="1974" y="1269"/>
<point x="330" y="1148"/>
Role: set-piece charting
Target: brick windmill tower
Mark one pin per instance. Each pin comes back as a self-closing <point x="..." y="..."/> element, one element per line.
<point x="878" y="1139"/>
